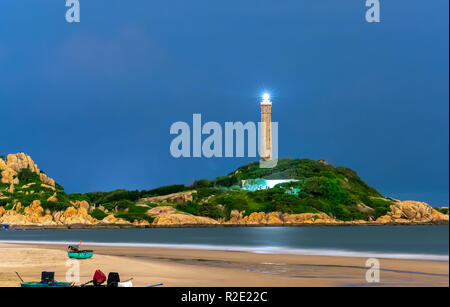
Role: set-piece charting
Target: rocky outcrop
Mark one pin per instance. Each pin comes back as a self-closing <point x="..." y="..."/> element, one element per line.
<point x="154" y="212"/>
<point x="53" y="198"/>
<point x="33" y="215"/>
<point x="142" y="223"/>
<point x="309" y="218"/>
<point x="236" y="218"/>
<point x="439" y="218"/>
<point x="111" y="219"/>
<point x="182" y="219"/>
<point x="277" y="218"/>
<point x="48" y="186"/>
<point x="407" y="212"/>
<point x="11" y="188"/>
<point x="74" y="215"/>
<point x="8" y="176"/>
<point x="255" y="218"/>
<point x="177" y="198"/>
<point x="11" y="217"/>
<point x="81" y="204"/>
<point x="14" y="163"/>
<point x="2" y="164"/>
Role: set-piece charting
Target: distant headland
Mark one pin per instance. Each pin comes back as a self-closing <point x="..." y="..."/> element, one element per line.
<point x="295" y="192"/>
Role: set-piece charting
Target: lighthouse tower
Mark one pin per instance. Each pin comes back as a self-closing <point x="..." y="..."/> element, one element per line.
<point x="266" y="128"/>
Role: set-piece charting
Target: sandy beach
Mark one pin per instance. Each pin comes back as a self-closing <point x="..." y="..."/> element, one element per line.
<point x="180" y="267"/>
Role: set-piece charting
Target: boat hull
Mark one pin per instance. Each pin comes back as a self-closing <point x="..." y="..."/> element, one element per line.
<point x="38" y="284"/>
<point x="81" y="254"/>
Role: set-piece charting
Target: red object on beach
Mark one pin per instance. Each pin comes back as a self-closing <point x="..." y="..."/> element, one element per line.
<point x="99" y="277"/>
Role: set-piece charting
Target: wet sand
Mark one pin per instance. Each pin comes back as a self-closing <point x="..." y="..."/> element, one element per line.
<point x="185" y="268"/>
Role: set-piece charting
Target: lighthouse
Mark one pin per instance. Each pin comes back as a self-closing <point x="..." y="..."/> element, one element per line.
<point x="266" y="128"/>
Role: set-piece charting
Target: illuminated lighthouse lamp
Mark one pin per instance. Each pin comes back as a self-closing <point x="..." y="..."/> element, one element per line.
<point x="266" y="98"/>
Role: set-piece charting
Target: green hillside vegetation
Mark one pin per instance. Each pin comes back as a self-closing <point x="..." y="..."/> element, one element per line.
<point x="30" y="188"/>
<point x="336" y="191"/>
<point x="442" y="210"/>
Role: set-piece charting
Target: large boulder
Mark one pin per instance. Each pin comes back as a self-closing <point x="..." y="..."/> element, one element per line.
<point x="439" y="218"/>
<point x="404" y="212"/>
<point x="74" y="215"/>
<point x="16" y="162"/>
<point x="11" y="188"/>
<point x="2" y="165"/>
<point x="34" y="212"/>
<point x="111" y="219"/>
<point x="236" y="218"/>
<point x="8" y="176"/>
<point x="12" y="217"/>
<point x="81" y="204"/>
<point x="19" y="161"/>
<point x="182" y="219"/>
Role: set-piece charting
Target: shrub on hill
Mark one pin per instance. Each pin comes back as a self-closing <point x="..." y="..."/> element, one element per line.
<point x="98" y="214"/>
<point x="25" y="176"/>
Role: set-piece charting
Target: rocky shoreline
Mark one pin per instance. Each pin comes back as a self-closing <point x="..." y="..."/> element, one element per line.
<point x="131" y="226"/>
<point x="34" y="217"/>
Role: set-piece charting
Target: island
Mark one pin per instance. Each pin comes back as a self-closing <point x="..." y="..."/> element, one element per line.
<point x="297" y="192"/>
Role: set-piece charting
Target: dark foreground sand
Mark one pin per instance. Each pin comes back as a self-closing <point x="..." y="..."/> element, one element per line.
<point x="179" y="267"/>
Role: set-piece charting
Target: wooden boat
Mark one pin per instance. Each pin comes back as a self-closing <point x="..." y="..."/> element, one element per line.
<point x="47" y="281"/>
<point x="73" y="251"/>
<point x="39" y="284"/>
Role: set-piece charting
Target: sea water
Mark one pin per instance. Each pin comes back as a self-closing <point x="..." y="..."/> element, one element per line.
<point x="403" y="242"/>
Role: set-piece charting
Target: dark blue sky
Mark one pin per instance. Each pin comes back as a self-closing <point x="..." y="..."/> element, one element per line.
<point x="93" y="102"/>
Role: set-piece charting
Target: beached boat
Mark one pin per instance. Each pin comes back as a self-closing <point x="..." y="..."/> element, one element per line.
<point x="47" y="281"/>
<point x="73" y="251"/>
<point x="38" y="284"/>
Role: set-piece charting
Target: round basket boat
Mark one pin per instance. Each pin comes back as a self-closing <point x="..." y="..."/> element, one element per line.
<point x="85" y="254"/>
<point x="74" y="252"/>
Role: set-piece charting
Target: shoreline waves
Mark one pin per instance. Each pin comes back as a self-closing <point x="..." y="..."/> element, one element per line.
<point x="248" y="249"/>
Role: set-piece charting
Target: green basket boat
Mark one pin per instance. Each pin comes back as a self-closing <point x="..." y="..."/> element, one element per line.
<point x="74" y="252"/>
<point x="81" y="254"/>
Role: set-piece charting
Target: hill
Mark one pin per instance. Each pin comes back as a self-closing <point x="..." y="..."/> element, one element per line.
<point x="320" y="192"/>
<point x="321" y="187"/>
